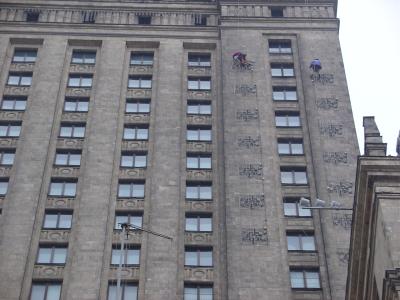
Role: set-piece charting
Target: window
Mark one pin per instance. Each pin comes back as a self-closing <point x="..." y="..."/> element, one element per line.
<point x="129" y="291"/>
<point x="131" y="190"/>
<point x="24" y="55"/>
<point x="136" y="133"/>
<point x="290" y="147"/>
<point x="300" y="241"/>
<point x="62" y="189"/>
<point x="198" y="162"/>
<point x="137" y="82"/>
<point x="287" y="119"/>
<point x="200" y="20"/>
<point x="7" y="157"/>
<point x="68" y="158"/>
<point x="137" y="106"/>
<point x="198" y="108"/>
<point x="283" y="47"/>
<point x="57" y="220"/>
<point x="199" y="60"/>
<point x="20" y="79"/>
<point x="32" y="15"/>
<point x="198" y="134"/>
<point x="142" y="59"/>
<point x="198" y="223"/>
<point x="88" y="17"/>
<point x="282" y="70"/>
<point x="80" y="80"/>
<point x="292" y="208"/>
<point x="194" y="292"/>
<point x="284" y="93"/>
<point x="72" y="130"/>
<point x="10" y="129"/>
<point x="3" y="186"/>
<point x="45" y="291"/>
<point x="130" y="256"/>
<point x="134" y="160"/>
<point x="133" y="219"/>
<point x="277" y="12"/>
<point x="198" y="257"/>
<point x="83" y="57"/>
<point x="144" y="20"/>
<point x="197" y="191"/>
<point x="293" y="176"/>
<point x="51" y="255"/>
<point x="304" y="279"/>
<point x="13" y="103"/>
<point x="76" y="105"/>
<point x="203" y="84"/>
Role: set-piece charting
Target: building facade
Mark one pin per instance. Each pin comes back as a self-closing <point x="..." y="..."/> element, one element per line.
<point x="135" y="111"/>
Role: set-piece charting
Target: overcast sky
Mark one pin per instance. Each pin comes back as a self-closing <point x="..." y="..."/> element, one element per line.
<point x="370" y="41"/>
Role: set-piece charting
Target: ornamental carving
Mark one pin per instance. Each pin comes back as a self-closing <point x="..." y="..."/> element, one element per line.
<point x="16" y="90"/>
<point x="335" y="157"/>
<point x="134" y="145"/>
<point x="198" y="147"/>
<point x="69" y="143"/>
<point x="74" y="117"/>
<point x="199" y="274"/>
<point x="130" y="204"/>
<point x="26" y="67"/>
<point x="132" y="173"/>
<point x="137" y="118"/>
<point x="60" y="203"/>
<point x="327" y="103"/>
<point x="199" y="95"/>
<point x="255" y="236"/>
<point x="198" y="120"/>
<point x="140" y="69"/>
<point x="48" y="272"/>
<point x="341" y="188"/>
<point x="199" y="70"/>
<point x="126" y="273"/>
<point x="78" y="92"/>
<point x="199" y="175"/>
<point x="138" y="93"/>
<point x="206" y="206"/>
<point x="251" y="171"/>
<point x="65" y="171"/>
<point x="247" y="115"/>
<point x="252" y="201"/>
<point x="134" y="236"/>
<point x="5" y="171"/>
<point x="245" y="90"/>
<point x="198" y="238"/>
<point x="331" y="130"/>
<point x="342" y="220"/>
<point x="322" y="78"/>
<point x="249" y="142"/>
<point x="81" y="68"/>
<point x="11" y="115"/>
<point x="61" y="236"/>
<point x="8" y="142"/>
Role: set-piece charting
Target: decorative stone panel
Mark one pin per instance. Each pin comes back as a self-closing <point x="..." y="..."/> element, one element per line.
<point x="198" y="120"/>
<point x="198" y="238"/>
<point x="301" y="259"/>
<point x="307" y="295"/>
<point x="138" y="93"/>
<point x="293" y="190"/>
<point x="135" y="236"/>
<point x="58" y="203"/>
<point x="22" y="67"/>
<point x="81" y="68"/>
<point x="16" y="90"/>
<point x="127" y="273"/>
<point x="284" y="81"/>
<point x="54" y="236"/>
<point x="199" y="175"/>
<point x="203" y="206"/>
<point x="78" y="92"/>
<point x="199" y="274"/>
<point x="73" y="117"/>
<point x="8" y="142"/>
<point x="305" y="224"/>
<point x="199" y="95"/>
<point x="132" y="173"/>
<point x="133" y="70"/>
<point x="48" y="272"/>
<point x="293" y="160"/>
<point x="130" y="204"/>
<point x="137" y="118"/>
<point x="11" y="115"/>
<point x="198" y="147"/>
<point x="69" y="143"/>
<point x="5" y="171"/>
<point x="199" y="71"/>
<point x="65" y="171"/>
<point x="134" y="145"/>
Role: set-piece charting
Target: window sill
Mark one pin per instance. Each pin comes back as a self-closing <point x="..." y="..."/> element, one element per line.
<point x="202" y="200"/>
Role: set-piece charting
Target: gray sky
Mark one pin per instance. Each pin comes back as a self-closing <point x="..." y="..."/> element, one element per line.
<point x="370" y="41"/>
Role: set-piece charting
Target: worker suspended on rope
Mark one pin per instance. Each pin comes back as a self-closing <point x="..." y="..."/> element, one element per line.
<point x="316" y="65"/>
<point x="239" y="57"/>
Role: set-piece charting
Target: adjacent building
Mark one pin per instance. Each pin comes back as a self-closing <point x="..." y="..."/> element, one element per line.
<point x="135" y="111"/>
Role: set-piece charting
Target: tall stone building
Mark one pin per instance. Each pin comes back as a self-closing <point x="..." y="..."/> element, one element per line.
<point x="135" y="111"/>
